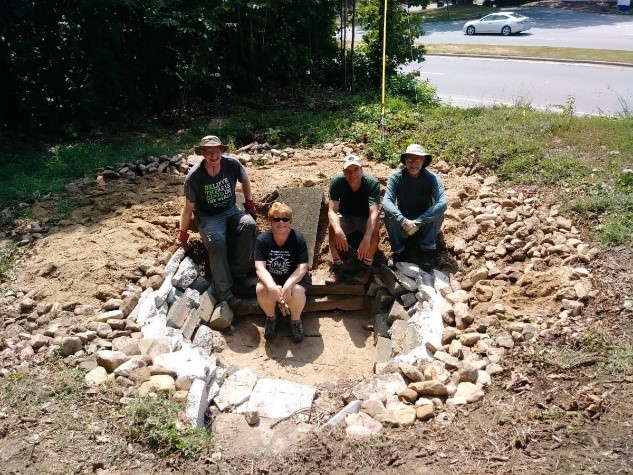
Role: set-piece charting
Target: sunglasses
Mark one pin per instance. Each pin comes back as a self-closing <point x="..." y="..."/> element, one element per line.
<point x="285" y="220"/>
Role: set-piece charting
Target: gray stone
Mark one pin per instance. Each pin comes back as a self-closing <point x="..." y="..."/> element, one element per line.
<point x="197" y="403"/>
<point x="70" y="345"/>
<point x="222" y="317"/>
<point x="380" y="385"/>
<point x="306" y="211"/>
<point x="237" y="388"/>
<point x="207" y="304"/>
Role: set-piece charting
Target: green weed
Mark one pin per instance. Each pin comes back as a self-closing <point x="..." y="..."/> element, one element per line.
<point x="152" y="422"/>
<point x="63" y="209"/>
<point x="621" y="360"/>
<point x="551" y="414"/>
<point x="8" y="257"/>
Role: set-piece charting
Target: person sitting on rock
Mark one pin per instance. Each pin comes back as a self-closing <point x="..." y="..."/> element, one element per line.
<point x="281" y="263"/>
<point x="227" y="232"/>
<point x="414" y="202"/>
<point x="353" y="207"/>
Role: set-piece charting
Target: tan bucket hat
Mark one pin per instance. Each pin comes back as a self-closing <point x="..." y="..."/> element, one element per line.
<point x="209" y="141"/>
<point x="417" y="151"/>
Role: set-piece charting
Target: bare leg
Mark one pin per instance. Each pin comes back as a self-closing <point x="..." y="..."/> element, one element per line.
<point x="297" y="302"/>
<point x="265" y="301"/>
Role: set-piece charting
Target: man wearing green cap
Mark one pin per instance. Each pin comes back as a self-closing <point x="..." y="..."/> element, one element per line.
<point x="414" y="203"/>
<point x="211" y="200"/>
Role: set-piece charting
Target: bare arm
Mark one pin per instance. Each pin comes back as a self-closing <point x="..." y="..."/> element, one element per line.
<point x="335" y="223"/>
<point x="185" y="220"/>
<point x="372" y="223"/>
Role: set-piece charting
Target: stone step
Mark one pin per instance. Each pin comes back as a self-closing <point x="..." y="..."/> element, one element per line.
<point x="314" y="303"/>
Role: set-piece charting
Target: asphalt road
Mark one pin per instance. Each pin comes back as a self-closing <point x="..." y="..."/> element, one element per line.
<point x="589" y="89"/>
<point x="550" y="27"/>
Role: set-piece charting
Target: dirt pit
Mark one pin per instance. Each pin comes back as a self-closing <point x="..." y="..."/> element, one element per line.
<point x="337" y="345"/>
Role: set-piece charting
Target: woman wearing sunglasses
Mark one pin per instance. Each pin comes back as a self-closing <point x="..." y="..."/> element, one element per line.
<point x="281" y="262"/>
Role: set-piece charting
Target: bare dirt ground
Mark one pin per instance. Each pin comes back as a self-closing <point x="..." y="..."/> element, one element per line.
<point x="542" y="415"/>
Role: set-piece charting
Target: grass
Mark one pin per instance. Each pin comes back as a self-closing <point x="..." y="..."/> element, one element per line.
<point x="152" y="421"/>
<point x="539" y="52"/>
<point x="621" y="360"/>
<point x="29" y="174"/>
<point x="8" y="256"/>
<point x="596" y="347"/>
<point x="58" y="383"/>
<point x="580" y="157"/>
<point x="454" y="12"/>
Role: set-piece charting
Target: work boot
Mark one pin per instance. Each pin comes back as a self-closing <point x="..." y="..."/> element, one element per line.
<point x="364" y="274"/>
<point x="297" y="330"/>
<point x="428" y="259"/>
<point x="270" y="328"/>
<point x="338" y="270"/>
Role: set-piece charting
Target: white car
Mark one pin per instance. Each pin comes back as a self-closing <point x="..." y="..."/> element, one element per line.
<point x="505" y="23"/>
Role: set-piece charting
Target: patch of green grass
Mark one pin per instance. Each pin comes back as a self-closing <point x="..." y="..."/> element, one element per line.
<point x="63" y="209"/>
<point x="152" y="421"/>
<point x="551" y="414"/>
<point x="57" y="383"/>
<point x="541" y="52"/>
<point x="8" y="256"/>
<point x="69" y="386"/>
<point x="30" y="174"/>
<point x="621" y="360"/>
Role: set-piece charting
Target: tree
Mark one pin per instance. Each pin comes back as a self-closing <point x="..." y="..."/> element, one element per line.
<point x="402" y="29"/>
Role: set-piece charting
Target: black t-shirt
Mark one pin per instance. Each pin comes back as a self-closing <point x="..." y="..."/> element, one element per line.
<point x="281" y="261"/>
<point x="214" y="194"/>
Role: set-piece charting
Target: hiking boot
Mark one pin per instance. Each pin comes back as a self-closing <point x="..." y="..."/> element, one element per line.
<point x="270" y="328"/>
<point x="428" y="259"/>
<point x="364" y="274"/>
<point x="297" y="330"/>
<point x="338" y="270"/>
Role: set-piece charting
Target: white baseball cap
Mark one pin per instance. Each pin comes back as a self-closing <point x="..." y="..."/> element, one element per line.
<point x="352" y="160"/>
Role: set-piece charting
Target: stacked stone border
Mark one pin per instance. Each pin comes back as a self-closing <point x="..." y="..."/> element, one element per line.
<point x="439" y="339"/>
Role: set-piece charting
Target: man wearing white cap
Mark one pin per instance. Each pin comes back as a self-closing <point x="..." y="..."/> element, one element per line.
<point x="414" y="202"/>
<point x="354" y="205"/>
<point x="210" y="198"/>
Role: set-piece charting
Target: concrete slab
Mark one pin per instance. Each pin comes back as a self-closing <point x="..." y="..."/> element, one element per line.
<point x="280" y="398"/>
<point x="306" y="206"/>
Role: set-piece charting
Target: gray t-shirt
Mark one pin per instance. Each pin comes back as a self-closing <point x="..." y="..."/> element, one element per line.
<point x="214" y="194"/>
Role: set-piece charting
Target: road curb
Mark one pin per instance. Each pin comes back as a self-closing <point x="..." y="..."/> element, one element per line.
<point x="530" y="58"/>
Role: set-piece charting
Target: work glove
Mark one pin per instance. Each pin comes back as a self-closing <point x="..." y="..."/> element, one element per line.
<point x="249" y="207"/>
<point x="182" y="237"/>
<point x="409" y="227"/>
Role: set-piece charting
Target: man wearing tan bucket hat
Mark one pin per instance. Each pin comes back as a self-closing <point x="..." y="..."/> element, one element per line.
<point x="227" y="232"/>
<point x="414" y="204"/>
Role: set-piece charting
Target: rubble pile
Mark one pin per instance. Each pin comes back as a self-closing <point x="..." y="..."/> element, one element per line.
<point x="512" y="272"/>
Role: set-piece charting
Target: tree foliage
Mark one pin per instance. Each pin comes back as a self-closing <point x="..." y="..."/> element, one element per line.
<point x="402" y="29"/>
<point x="67" y="65"/>
<point x="77" y="61"/>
